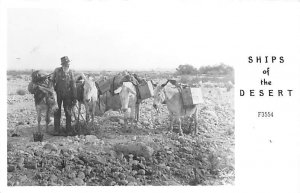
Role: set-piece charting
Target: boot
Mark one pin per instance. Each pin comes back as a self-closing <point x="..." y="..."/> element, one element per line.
<point x="69" y="130"/>
<point x="57" y="130"/>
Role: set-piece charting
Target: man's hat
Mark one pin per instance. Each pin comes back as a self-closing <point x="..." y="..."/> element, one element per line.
<point x="64" y="60"/>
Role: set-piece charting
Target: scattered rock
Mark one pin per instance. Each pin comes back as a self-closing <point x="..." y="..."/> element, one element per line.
<point x="110" y="182"/>
<point x="88" y="170"/>
<point x="81" y="175"/>
<point x="51" y="147"/>
<point x="72" y="175"/>
<point x="20" y="160"/>
<point x="53" y="178"/>
<point x="171" y="183"/>
<point x="31" y="165"/>
<point x="123" y="182"/>
<point x="169" y="152"/>
<point x="187" y="149"/>
<point x="91" y="139"/>
<point x="22" y="178"/>
<point x="181" y="139"/>
<point x="136" y="148"/>
<point x="20" y="166"/>
<point x="60" y="182"/>
<point x="130" y="179"/>
<point x="38" y="153"/>
<point x="141" y="172"/>
<point x="9" y="176"/>
<point x="15" y="135"/>
<point x="11" y="168"/>
<point x="79" y="182"/>
<point x="69" y="182"/>
<point x="121" y="121"/>
<point x="132" y="184"/>
<point x="10" y="147"/>
<point x="39" y="176"/>
<point x="122" y="176"/>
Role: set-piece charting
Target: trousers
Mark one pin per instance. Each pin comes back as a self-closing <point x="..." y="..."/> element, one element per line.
<point x="67" y="104"/>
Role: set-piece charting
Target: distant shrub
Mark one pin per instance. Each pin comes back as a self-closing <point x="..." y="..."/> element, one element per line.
<point x="18" y="77"/>
<point x="221" y="69"/>
<point x="217" y="79"/>
<point x="18" y="72"/>
<point x="186" y="69"/>
<point x="157" y="75"/>
<point x="21" y="92"/>
<point x="186" y="79"/>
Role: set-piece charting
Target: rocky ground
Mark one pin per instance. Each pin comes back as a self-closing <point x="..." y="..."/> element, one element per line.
<point x="112" y="156"/>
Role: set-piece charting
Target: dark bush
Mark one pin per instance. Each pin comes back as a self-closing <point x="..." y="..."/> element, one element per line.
<point x="186" y="69"/>
<point x="21" y="92"/>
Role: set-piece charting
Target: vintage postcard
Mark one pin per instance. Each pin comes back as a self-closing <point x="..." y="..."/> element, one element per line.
<point x="180" y="95"/>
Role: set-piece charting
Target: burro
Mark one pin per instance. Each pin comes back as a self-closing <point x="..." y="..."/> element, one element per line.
<point x="264" y="92"/>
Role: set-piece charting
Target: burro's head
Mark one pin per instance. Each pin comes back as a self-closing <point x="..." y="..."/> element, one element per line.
<point x="53" y="101"/>
<point x="127" y="93"/>
<point x="159" y="95"/>
<point x="50" y="96"/>
<point x="90" y="91"/>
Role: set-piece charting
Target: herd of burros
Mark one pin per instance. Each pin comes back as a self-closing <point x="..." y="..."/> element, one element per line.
<point x="123" y="92"/>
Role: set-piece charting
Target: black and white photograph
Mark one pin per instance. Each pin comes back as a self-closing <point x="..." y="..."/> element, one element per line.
<point x="151" y="93"/>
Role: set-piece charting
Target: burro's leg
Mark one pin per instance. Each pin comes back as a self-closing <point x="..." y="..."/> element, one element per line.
<point x="132" y="117"/>
<point x="179" y="122"/>
<point x="93" y="114"/>
<point x="172" y="119"/>
<point x="195" y="116"/>
<point x="87" y="112"/>
<point x="190" y="118"/>
<point x="68" y="107"/>
<point x="125" y="122"/>
<point x="39" y="118"/>
<point x="47" y="118"/>
<point x="171" y="122"/>
<point x="137" y="112"/>
<point x="37" y="134"/>
<point x="93" y="111"/>
<point x="79" y="111"/>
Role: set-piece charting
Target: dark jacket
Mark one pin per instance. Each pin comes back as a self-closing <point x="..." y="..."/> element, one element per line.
<point x="64" y="83"/>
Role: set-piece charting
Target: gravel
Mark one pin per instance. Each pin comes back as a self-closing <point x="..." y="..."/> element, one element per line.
<point x="111" y="156"/>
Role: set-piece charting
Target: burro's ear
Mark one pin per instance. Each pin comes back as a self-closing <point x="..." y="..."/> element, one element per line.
<point x="132" y="91"/>
<point x="130" y="87"/>
<point x="163" y="85"/>
<point x="83" y="76"/>
<point x="118" y="90"/>
<point x="154" y="84"/>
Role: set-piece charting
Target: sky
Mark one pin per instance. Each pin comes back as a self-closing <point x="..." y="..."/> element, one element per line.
<point x="146" y="35"/>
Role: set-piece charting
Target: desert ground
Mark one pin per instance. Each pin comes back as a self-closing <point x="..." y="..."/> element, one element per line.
<point x="111" y="156"/>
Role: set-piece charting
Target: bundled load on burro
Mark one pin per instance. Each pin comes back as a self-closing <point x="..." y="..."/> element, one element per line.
<point x="41" y="87"/>
<point x="124" y="91"/>
<point x="181" y="101"/>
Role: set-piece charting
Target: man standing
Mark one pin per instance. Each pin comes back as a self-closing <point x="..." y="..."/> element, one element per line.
<point x="65" y="87"/>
